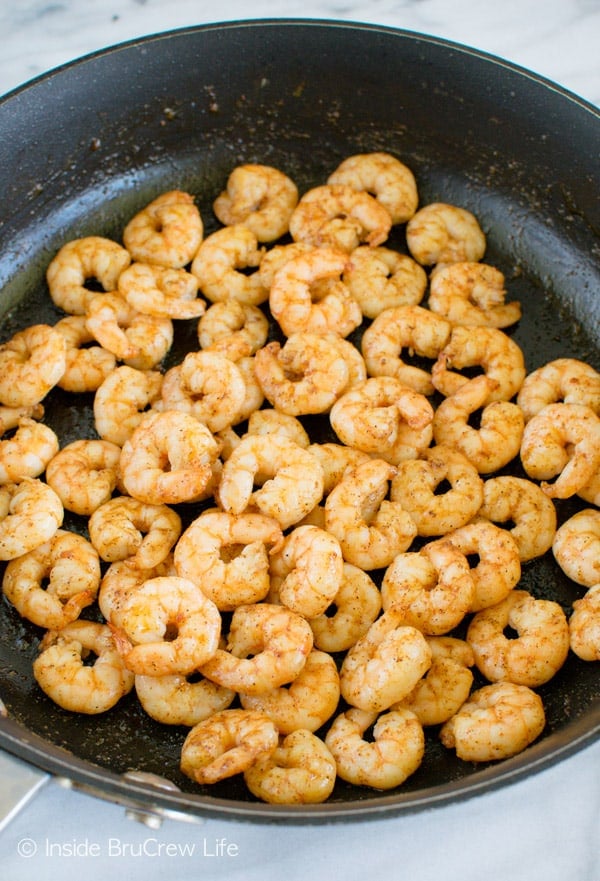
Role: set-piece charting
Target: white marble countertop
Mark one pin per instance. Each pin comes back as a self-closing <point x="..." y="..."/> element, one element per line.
<point x="543" y="828"/>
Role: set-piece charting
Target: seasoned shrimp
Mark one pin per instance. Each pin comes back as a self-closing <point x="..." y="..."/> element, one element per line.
<point x="124" y="528"/>
<point x="336" y="459"/>
<point x="381" y="278"/>
<point x="301" y="770"/>
<point x="233" y="328"/>
<point x="167" y="626"/>
<point x="591" y="491"/>
<point x="169" y="458"/>
<point x="531" y="515"/>
<point x="121" y="401"/>
<point x="269" y="421"/>
<point x="308" y="295"/>
<point x="496" y="442"/>
<point x="417" y="486"/>
<point x="27" y="452"/>
<point x="11" y="416"/>
<point x="168" y="231"/>
<point x="273" y="259"/>
<point x="497" y="722"/>
<point x="267" y="646"/>
<point x="473" y="294"/>
<point x="371" y="529"/>
<point x="576" y="547"/>
<point x="406" y="328"/>
<point x="87" y="366"/>
<point x="289" y="477"/>
<point x="227" y="743"/>
<point x="161" y="291"/>
<point x="180" y="700"/>
<point x="307" y="570"/>
<point x="227" y="555"/>
<point x="84" y="474"/>
<point x="535" y="654"/>
<point x="442" y="233"/>
<point x="259" y="196"/>
<point x="30" y="514"/>
<point x="565" y="380"/>
<point x="81" y="687"/>
<point x="226" y="266"/>
<point x="391" y="182"/>
<point x="352" y="611"/>
<point x="31" y="363"/>
<point x="141" y="341"/>
<point x="51" y="584"/>
<point x="123" y="578"/>
<point x="584" y="625"/>
<point x="79" y="261"/>
<point x="338" y="216"/>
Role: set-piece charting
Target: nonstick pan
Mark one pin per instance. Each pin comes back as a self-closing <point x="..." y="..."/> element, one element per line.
<point x="85" y="146"/>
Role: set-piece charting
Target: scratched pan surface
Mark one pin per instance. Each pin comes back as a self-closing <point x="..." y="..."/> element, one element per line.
<point x="84" y="147"/>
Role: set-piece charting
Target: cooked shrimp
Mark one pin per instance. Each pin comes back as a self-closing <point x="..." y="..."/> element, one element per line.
<point x="11" y="416"/>
<point x="51" y="584"/>
<point x="301" y="770"/>
<point x="395" y="751"/>
<point x="181" y="700"/>
<point x="471" y="293"/>
<point x="231" y="327"/>
<point x="407" y="328"/>
<point x="267" y="646"/>
<point x="308" y="570"/>
<point x="161" y="291"/>
<point x="81" y="687"/>
<point x="226" y="266"/>
<point x="84" y="474"/>
<point x="260" y="197"/>
<point x="227" y="743"/>
<point x="168" y="231"/>
<point x="92" y="258"/>
<point x="497" y="722"/>
<point x="276" y="256"/>
<point x="337" y="460"/>
<point x="565" y="380"/>
<point x="576" y="547"/>
<point x="591" y="491"/>
<point x="121" y="401"/>
<point x="269" y="421"/>
<point x="352" y="611"/>
<point x="86" y="366"/>
<point x="27" y="452"/>
<point x="496" y="442"/>
<point x="584" y="625"/>
<point x="531" y="515"/>
<point x="123" y="578"/>
<point x="141" y="341"/>
<point x="391" y="182"/>
<point x="442" y="233"/>
<point x="124" y="528"/>
<point x="371" y="529"/>
<point x="30" y="514"/>
<point x="381" y="278"/>
<point x="31" y="363"/>
<point x="338" y="216"/>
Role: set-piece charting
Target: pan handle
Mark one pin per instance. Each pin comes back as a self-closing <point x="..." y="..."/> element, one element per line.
<point x="20" y="782"/>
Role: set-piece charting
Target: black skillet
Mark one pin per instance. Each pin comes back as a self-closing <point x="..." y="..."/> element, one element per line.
<point x="84" y="147"/>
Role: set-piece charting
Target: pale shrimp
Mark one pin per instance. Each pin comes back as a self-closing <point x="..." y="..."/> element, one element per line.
<point x="259" y="196"/>
<point x="254" y="397"/>
<point x="141" y="341"/>
<point x="576" y="547"/>
<point x="123" y="578"/>
<point x="529" y="513"/>
<point x="227" y="555"/>
<point x="308" y="702"/>
<point x="307" y="569"/>
<point x="54" y="582"/>
<point x="584" y="625"/>
<point x="267" y="646"/>
<point x="338" y="216"/>
<point x="353" y="609"/>
<point x="167" y="626"/>
<point x="386" y="759"/>
<point x="496" y="722"/>
<point x="431" y="589"/>
<point x="498" y="439"/>
<point x="63" y="672"/>
<point x="30" y="514"/>
<point x="441" y="491"/>
<point x="167" y="231"/>
<point x="121" y="401"/>
<point x="87" y="366"/>
<point x="32" y="362"/>
<point x="227" y="743"/>
<point x="384" y="417"/>
<point x="381" y="278"/>
<point x="289" y="479"/>
<point x="473" y="294"/>
<point x="226" y="265"/>
<point x="11" y="416"/>
<point x="269" y="421"/>
<point x="384" y="176"/>
<point x="565" y="380"/>
<point x="498" y="356"/>
<point x="275" y="257"/>
<point x="305" y="375"/>
<point x="370" y="528"/>
<point x="84" y="474"/>
<point x="80" y="261"/>
<point x="169" y="458"/>
<point x="301" y="770"/>
<point x="407" y="329"/>
<point x="28" y="452"/>
<point x="442" y="233"/>
<point x="181" y="700"/>
<point x="337" y="460"/>
<point x="562" y="441"/>
<point x="385" y="664"/>
<point x="161" y="291"/>
<point x="229" y="326"/>
<point x="124" y="528"/>
<point x="308" y="295"/>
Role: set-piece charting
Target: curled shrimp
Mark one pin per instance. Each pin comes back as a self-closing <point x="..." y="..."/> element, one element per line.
<point x="584" y="625"/>
<point x="231" y="327"/>
<point x="259" y="196"/>
<point x="301" y="770"/>
<point x="167" y="231"/>
<point x="84" y="474"/>
<point x="576" y="547"/>
<point x="123" y="578"/>
<point x="308" y="570"/>
<point x="11" y="416"/>
<point x="124" y="528"/>
<point x="336" y="460"/>
<point x="30" y="514"/>
<point x="353" y="609"/>
<point x="442" y="233"/>
<point x="161" y="291"/>
<point x="80" y="261"/>
<point x="121" y="401"/>
<point x="383" y="175"/>
<point x="270" y="421"/>
<point x="338" y="216"/>
<point x="473" y="294"/>
<point x="276" y="256"/>
<point x="381" y="278"/>
<point x="226" y="265"/>
<point x="80" y="687"/>
<point x="180" y="700"/>
<point x="32" y="362"/>
<point x="565" y="380"/>
<point x="525" y="507"/>
<point x="86" y="366"/>
<point x="28" y="452"/>
<point x="141" y="341"/>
